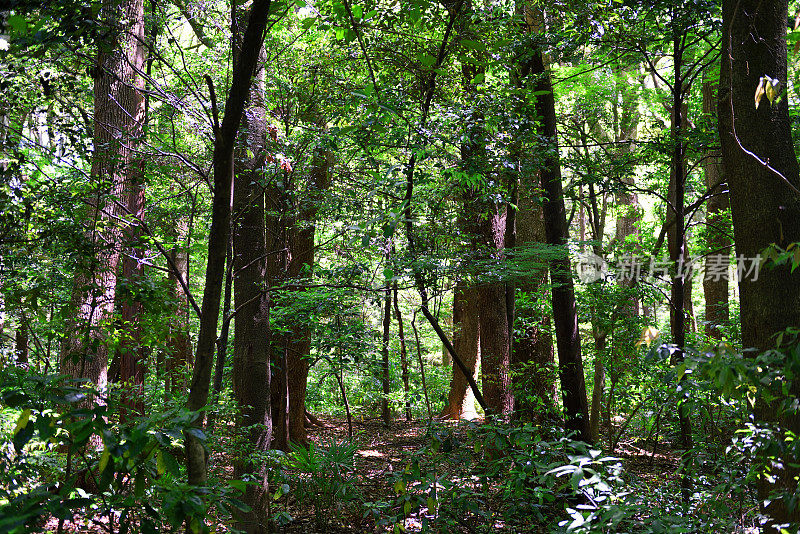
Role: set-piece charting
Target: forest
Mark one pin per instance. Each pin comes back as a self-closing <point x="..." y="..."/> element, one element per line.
<point x="447" y="266"/>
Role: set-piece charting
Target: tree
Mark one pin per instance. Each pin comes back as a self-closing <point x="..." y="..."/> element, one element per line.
<point x="565" y="318"/>
<point x="251" y="343"/>
<point x="761" y="169"/>
<point x="718" y="228"/>
<point x="225" y="136"/>
<point x="118" y="121"/>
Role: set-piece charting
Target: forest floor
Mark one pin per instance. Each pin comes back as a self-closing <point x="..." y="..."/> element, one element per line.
<point x="381" y="452"/>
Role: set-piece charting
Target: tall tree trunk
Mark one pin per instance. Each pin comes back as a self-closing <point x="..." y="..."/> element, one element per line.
<point x="21" y="340"/>
<point x="180" y="346"/>
<point x="132" y="354"/>
<point x="466" y="328"/>
<point x="385" y="377"/>
<point x="565" y="317"/>
<point x="251" y="296"/>
<point x="493" y="312"/>
<point x="534" y="357"/>
<point x="301" y="268"/>
<point x="599" y="383"/>
<point x="118" y="121"/>
<point x="495" y="342"/>
<point x="403" y="352"/>
<point x="761" y="169"/>
<point x="222" y="340"/>
<point x="715" y="283"/>
<point x="224" y="140"/>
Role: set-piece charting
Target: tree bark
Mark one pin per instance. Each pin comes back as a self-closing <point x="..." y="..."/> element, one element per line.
<point x="495" y="340"/>
<point x="565" y="318"/>
<point x="224" y="140"/>
<point x="132" y="353"/>
<point x="761" y="169"/>
<point x="118" y="121"/>
<point x="534" y="357"/>
<point x="718" y="241"/>
<point x="466" y="328"/>
<point x="301" y="268"/>
<point x="180" y="354"/>
<point x="403" y="352"/>
<point x="251" y="296"/>
<point x="385" y="377"/>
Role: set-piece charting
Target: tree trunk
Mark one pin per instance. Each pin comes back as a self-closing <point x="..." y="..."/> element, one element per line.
<point x="533" y="358"/>
<point x="222" y="340"/>
<point x="180" y="346"/>
<point x="225" y="138"/>
<point x="132" y="354"/>
<point x="565" y="318"/>
<point x="765" y="207"/>
<point x="403" y="352"/>
<point x="466" y="328"/>
<point x="251" y="343"/>
<point x="493" y="319"/>
<point x="118" y="121"/>
<point x="385" y="377"/>
<point x="599" y="385"/>
<point x="718" y="242"/>
<point x="301" y="268"/>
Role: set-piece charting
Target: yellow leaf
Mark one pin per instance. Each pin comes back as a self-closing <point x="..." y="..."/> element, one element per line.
<point x="399" y="487"/>
<point x="104" y="460"/>
<point x="760" y="91"/>
<point x="22" y="422"/>
<point x="772" y="87"/>
<point x="161" y="467"/>
<point x="649" y="335"/>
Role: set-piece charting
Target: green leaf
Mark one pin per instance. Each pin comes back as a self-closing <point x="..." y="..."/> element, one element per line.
<point x="680" y="371"/>
<point x="427" y="60"/>
<point x="18" y="24"/>
<point x="576" y="478"/>
<point x="473" y="45"/>
<point x="161" y="467"/>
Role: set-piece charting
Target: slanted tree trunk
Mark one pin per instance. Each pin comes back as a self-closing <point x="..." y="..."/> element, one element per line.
<point x="466" y="328"/>
<point x="715" y="282"/>
<point x="118" y="120"/>
<point x="760" y="166"/>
